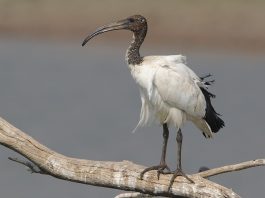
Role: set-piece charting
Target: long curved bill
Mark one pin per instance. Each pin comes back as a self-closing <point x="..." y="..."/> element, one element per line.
<point x="123" y="24"/>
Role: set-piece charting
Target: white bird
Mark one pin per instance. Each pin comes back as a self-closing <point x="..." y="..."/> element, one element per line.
<point x="171" y="93"/>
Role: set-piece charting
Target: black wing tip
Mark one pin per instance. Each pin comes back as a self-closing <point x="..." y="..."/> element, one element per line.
<point x="217" y="125"/>
<point x="211" y="116"/>
<point x="206" y="76"/>
<point x="214" y="121"/>
<point x="207" y="82"/>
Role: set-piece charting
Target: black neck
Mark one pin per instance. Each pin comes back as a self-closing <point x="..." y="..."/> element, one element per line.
<point x="133" y="55"/>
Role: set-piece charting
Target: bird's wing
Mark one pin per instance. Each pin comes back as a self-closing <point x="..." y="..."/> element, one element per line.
<point x="178" y="86"/>
<point x="178" y="63"/>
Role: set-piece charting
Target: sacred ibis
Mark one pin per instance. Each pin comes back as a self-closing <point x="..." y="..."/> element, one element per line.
<point x="171" y="93"/>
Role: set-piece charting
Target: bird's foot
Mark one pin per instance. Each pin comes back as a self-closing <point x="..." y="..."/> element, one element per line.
<point x="176" y="173"/>
<point x="160" y="170"/>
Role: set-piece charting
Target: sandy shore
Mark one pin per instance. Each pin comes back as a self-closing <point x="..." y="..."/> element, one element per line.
<point x="230" y="24"/>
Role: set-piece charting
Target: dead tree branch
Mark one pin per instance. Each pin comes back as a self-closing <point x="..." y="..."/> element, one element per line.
<point x="119" y="175"/>
<point x="232" y="168"/>
<point x="133" y="195"/>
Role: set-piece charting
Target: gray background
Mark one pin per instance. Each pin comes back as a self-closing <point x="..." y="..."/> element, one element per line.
<point x="83" y="103"/>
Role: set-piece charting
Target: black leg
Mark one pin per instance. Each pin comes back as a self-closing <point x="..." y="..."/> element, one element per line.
<point x="179" y="145"/>
<point x="178" y="171"/>
<point x="162" y="165"/>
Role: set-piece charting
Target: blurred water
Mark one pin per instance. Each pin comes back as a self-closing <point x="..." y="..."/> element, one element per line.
<point x="82" y="102"/>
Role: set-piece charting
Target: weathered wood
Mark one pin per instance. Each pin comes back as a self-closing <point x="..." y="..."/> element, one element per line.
<point x="232" y="168"/>
<point x="133" y="195"/>
<point x="119" y="175"/>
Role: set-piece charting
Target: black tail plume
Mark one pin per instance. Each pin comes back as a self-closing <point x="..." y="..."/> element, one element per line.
<point x="211" y="117"/>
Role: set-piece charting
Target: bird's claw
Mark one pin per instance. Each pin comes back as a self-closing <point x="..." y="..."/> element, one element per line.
<point x="160" y="170"/>
<point x="176" y="173"/>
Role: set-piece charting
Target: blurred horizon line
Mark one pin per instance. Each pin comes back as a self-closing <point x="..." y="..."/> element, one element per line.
<point x="230" y="25"/>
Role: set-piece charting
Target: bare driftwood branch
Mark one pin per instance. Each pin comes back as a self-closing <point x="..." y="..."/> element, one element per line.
<point x="133" y="195"/>
<point x="232" y="168"/>
<point x="119" y="175"/>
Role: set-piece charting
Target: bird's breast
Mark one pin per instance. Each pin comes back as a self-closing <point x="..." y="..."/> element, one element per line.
<point x="153" y="106"/>
<point x="143" y="76"/>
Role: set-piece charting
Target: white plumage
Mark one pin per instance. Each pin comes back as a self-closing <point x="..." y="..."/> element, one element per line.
<point x="170" y="92"/>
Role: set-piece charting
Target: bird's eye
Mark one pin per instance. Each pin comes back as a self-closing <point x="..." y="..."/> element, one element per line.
<point x="131" y="20"/>
<point x="142" y="20"/>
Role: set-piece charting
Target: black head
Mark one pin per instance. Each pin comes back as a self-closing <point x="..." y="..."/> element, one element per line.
<point x="135" y="23"/>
